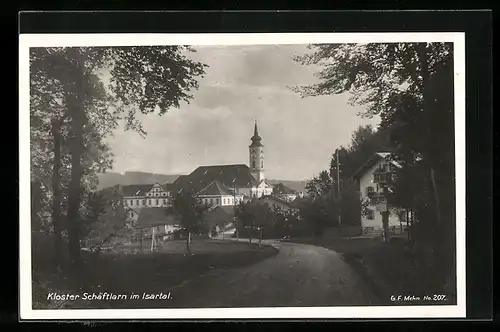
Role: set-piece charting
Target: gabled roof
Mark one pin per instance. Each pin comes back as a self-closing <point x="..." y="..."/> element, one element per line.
<point x="155" y="216"/>
<point x="142" y="189"/>
<point x="136" y="189"/>
<point x="218" y="216"/>
<point x="229" y="175"/>
<point x="376" y="157"/>
<point x="215" y="188"/>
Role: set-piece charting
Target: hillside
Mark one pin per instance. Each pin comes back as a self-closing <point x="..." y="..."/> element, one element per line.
<point x="110" y="179"/>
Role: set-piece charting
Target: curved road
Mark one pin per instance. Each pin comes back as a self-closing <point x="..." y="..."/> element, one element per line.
<point x="299" y="275"/>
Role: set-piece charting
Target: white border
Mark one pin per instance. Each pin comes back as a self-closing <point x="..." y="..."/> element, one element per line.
<point x="45" y="40"/>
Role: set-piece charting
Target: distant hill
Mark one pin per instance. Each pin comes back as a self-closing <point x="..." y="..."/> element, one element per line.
<point x="110" y="179"/>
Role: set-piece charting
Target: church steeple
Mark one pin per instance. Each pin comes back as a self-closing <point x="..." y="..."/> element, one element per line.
<point x="256" y="150"/>
<point x="256" y="138"/>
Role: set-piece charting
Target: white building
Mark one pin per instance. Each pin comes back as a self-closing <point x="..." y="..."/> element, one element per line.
<point x="216" y="194"/>
<point x="371" y="176"/>
<point x="146" y="195"/>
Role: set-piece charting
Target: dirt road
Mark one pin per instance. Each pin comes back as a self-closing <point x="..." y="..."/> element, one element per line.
<point x="299" y="275"/>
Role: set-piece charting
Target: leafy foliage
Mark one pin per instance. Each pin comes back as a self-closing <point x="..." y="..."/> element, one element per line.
<point x="350" y="204"/>
<point x="104" y="219"/>
<point x="319" y="185"/>
<point x="78" y="96"/>
<point x="410" y="86"/>
<point x="190" y="210"/>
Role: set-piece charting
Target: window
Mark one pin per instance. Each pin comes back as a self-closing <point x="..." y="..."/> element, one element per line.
<point x="217" y="201"/>
<point x="253" y="163"/>
<point x="157" y="202"/>
<point x="143" y="202"/>
<point x="149" y="202"/>
<point x="131" y="202"/>
<point x="262" y="164"/>
<point x="370" y="190"/>
<point x="380" y="177"/>
<point x="137" y="202"/>
<point x="370" y="214"/>
<point x="165" y="201"/>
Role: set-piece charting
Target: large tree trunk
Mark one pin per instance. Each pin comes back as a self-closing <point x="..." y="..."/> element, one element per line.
<point x="56" y="190"/>
<point x="77" y="113"/>
<point x="436" y="196"/>
<point x="385" y="224"/>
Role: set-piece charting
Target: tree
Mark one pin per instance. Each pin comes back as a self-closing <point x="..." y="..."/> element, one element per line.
<point x="410" y="86"/>
<point x="263" y="219"/>
<point x="189" y="210"/>
<point x="350" y="204"/>
<point x="320" y="212"/>
<point x="245" y="214"/>
<point x="105" y="218"/>
<point x="144" y="79"/>
<point x="319" y="185"/>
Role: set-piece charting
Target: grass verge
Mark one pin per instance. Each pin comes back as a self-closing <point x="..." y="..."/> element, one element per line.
<point x="126" y="271"/>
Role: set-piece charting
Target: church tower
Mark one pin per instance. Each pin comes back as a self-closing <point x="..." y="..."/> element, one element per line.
<point x="256" y="156"/>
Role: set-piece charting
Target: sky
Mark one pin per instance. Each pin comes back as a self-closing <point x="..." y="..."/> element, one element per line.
<point x="243" y="84"/>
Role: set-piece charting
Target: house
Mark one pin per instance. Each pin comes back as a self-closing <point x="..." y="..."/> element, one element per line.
<point x="372" y="176"/>
<point x="217" y="194"/>
<point x="284" y="192"/>
<point x="138" y="196"/>
<point x="248" y="181"/>
<point x="156" y="224"/>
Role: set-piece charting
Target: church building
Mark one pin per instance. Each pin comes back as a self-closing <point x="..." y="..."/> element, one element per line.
<point x="237" y="180"/>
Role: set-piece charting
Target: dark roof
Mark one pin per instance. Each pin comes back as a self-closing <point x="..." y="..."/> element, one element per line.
<point x="280" y="188"/>
<point x="228" y="175"/>
<point x="372" y="161"/>
<point x="136" y="189"/>
<point x="215" y="188"/>
<point x="169" y="186"/>
<point x="256" y="138"/>
<point x="142" y="189"/>
<point x="155" y="216"/>
<point x="218" y="216"/>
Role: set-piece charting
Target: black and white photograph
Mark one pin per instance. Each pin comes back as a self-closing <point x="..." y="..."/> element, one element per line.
<point x="242" y="175"/>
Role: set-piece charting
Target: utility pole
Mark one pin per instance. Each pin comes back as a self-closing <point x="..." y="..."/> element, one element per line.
<point x="234" y="213"/>
<point x="385" y="213"/>
<point x="338" y="187"/>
